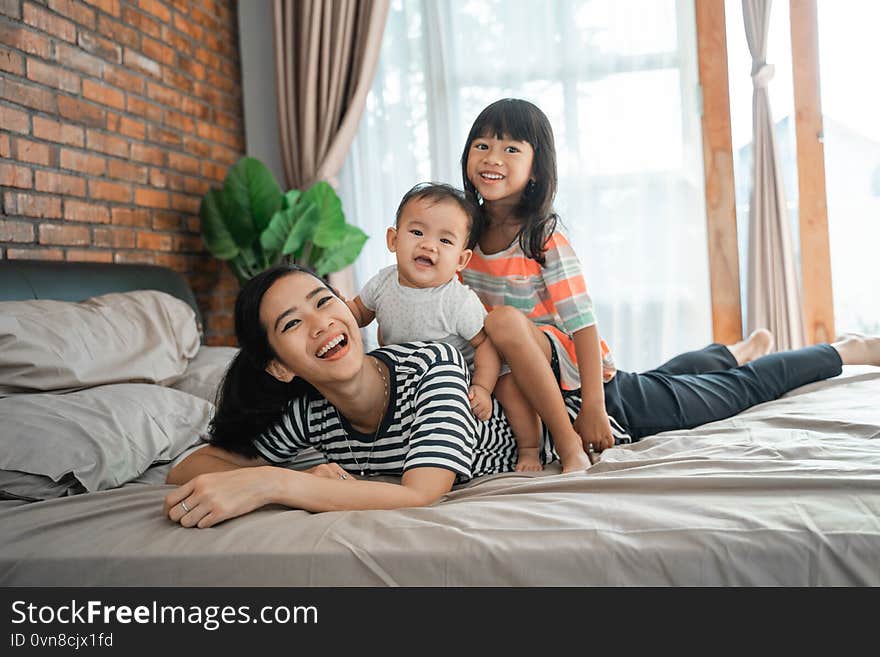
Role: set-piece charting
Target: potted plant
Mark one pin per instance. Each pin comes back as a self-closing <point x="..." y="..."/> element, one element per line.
<point x="252" y="225"/>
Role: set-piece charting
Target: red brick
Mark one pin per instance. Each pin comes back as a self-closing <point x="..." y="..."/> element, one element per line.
<point x="222" y="81"/>
<point x="59" y="183"/>
<point x="138" y="62"/>
<point x="22" y="38"/>
<point x="141" y="21"/>
<point x="128" y="217"/>
<point x="5" y="146"/>
<point x="144" y="108"/>
<point x="196" y="186"/>
<point x="75" y="11"/>
<point x="126" y="171"/>
<point x="134" y="257"/>
<point x="107" y="144"/>
<point x="194" y="224"/>
<point x="225" y="155"/>
<point x="175" y="181"/>
<point x="110" y="6"/>
<point x="13" y="120"/>
<point x="62" y="133"/>
<point x="65" y="235"/>
<point x="151" y="198"/>
<point x="164" y="95"/>
<point x="191" y="68"/>
<point x="34" y="152"/>
<point x="103" y="48"/>
<point x="188" y="244"/>
<point x="28" y="205"/>
<point x="126" y="126"/>
<point x="166" y="221"/>
<point x="180" y="122"/>
<point x="89" y="255"/>
<point x="147" y="154"/>
<point x="189" y="28"/>
<point x="157" y="51"/>
<point x="173" y="261"/>
<point x="196" y="108"/>
<point x="28" y="95"/>
<point x="12" y="175"/>
<point x="73" y="57"/>
<point x="124" y="79"/>
<point x="158" y="179"/>
<point x="183" y="163"/>
<point x="220" y="340"/>
<point x="81" y="112"/>
<point x="116" y="31"/>
<point x="186" y="203"/>
<point x="154" y="241"/>
<point x="213" y="171"/>
<point x="157" y="9"/>
<point x="178" y="81"/>
<point x="87" y="212"/>
<point x="11" y="8"/>
<point x="220" y="323"/>
<point x="196" y="146"/>
<point x="104" y="94"/>
<point x="35" y="254"/>
<point x="11" y="62"/>
<point x="48" y="22"/>
<point x="163" y="136"/>
<point x="109" y="191"/>
<point x="117" y="238"/>
<point x="180" y="43"/>
<point x="83" y="162"/>
<point x="16" y="231"/>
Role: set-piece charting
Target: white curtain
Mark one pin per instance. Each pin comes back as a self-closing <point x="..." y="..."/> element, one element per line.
<point x="618" y="80"/>
<point x="773" y="294"/>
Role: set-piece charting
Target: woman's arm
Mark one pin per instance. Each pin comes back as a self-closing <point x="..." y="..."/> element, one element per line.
<point x="209" y="459"/>
<point x="214" y="497"/>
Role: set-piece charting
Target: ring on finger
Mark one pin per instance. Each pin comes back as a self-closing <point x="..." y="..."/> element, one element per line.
<point x="185" y="507"/>
<point x="342" y="475"/>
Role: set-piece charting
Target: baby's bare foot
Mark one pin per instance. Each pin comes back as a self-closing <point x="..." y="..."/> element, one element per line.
<point x="759" y="343"/>
<point x="575" y="461"/>
<point x="857" y="349"/>
<point x="528" y="459"/>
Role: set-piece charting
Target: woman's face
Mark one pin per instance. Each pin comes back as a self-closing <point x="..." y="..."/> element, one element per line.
<point x="311" y="330"/>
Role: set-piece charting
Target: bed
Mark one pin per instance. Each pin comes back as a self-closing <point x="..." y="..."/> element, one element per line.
<point x="787" y="493"/>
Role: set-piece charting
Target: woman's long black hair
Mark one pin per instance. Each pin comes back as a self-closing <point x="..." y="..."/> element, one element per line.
<point x="522" y="121"/>
<point x="250" y="399"/>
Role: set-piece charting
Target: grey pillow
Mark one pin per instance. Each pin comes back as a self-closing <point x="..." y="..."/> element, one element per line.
<point x="204" y="373"/>
<point x="141" y="336"/>
<point x="54" y="445"/>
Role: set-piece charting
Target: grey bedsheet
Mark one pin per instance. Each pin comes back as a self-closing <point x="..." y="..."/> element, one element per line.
<point x="787" y="493"/>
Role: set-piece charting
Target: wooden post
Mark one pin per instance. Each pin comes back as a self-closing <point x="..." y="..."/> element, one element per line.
<point x="718" y="165"/>
<point x="813" y="215"/>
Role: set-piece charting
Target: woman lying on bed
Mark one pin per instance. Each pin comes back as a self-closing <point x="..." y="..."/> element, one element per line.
<point x="302" y="380"/>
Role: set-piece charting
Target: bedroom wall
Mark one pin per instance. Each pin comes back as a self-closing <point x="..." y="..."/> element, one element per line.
<point x="115" y="118"/>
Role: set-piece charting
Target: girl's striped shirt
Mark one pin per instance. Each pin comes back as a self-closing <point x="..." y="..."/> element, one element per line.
<point x="554" y="296"/>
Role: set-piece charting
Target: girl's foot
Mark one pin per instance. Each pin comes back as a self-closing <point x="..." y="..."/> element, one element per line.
<point x="759" y="343"/>
<point x="856" y="349"/>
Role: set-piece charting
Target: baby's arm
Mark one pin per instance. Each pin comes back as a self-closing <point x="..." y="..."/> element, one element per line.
<point x="362" y="314"/>
<point x="592" y="422"/>
<point x="487" y="367"/>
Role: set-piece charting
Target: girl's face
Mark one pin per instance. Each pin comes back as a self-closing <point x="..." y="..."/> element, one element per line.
<point x="311" y="330"/>
<point x="500" y="169"/>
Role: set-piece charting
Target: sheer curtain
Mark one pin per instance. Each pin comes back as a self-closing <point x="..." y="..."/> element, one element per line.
<point x="618" y="80"/>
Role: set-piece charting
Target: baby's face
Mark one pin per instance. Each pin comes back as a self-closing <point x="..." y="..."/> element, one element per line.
<point x="430" y="242"/>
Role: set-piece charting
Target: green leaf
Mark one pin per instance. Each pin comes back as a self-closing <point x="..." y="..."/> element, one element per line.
<point x="251" y="197"/>
<point x="303" y="230"/>
<point x="215" y="234"/>
<point x="330" y="227"/>
<point x="343" y="253"/>
<point x="287" y="230"/>
<point x="290" y="198"/>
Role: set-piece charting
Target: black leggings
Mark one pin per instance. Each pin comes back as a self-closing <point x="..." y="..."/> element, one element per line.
<point x="706" y="385"/>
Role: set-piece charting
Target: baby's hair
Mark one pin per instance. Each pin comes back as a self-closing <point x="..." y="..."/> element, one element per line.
<point x="520" y="120"/>
<point x="438" y="192"/>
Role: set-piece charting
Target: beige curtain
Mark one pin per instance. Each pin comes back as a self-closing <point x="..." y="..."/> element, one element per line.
<point x="773" y="295"/>
<point x="325" y="53"/>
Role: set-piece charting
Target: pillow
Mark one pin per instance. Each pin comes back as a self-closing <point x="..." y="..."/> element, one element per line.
<point x="204" y="373"/>
<point x="46" y="345"/>
<point x="53" y="445"/>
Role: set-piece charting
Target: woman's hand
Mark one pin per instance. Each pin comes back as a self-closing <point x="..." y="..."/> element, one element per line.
<point x="214" y="497"/>
<point x="330" y="471"/>
<point x="594" y="427"/>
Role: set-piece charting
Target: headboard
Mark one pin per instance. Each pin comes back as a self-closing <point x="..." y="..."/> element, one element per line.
<point x="22" y="280"/>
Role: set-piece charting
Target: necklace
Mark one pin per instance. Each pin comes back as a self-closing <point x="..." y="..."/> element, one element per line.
<point x="384" y="407"/>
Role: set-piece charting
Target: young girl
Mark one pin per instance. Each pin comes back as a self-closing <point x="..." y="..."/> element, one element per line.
<point x="541" y="318"/>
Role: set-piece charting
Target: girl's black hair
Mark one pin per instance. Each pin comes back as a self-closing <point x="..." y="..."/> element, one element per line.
<point x="522" y="121"/>
<point x="250" y="399"/>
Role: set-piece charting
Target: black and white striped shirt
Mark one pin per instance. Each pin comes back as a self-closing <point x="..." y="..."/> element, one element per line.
<point x="429" y="422"/>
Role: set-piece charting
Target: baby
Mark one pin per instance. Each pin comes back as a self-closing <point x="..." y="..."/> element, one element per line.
<point x="421" y="298"/>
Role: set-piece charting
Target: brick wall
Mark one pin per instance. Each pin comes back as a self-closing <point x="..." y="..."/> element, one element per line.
<point x="115" y="118"/>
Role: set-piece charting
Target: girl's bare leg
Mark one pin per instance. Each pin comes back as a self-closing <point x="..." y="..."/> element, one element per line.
<point x="524" y="422"/>
<point x="759" y="343"/>
<point x="527" y="351"/>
